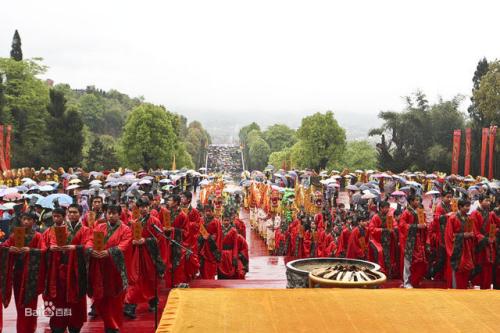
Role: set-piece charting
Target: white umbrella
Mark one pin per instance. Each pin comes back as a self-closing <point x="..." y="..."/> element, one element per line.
<point x="75" y="181"/>
<point x="72" y="187"/>
<point x="433" y="192"/>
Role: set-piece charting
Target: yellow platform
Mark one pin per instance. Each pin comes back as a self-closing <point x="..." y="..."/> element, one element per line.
<point x="331" y="310"/>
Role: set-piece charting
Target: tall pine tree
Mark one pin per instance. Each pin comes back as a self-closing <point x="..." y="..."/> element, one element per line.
<point x="64" y="130"/>
<point x="16" y="52"/>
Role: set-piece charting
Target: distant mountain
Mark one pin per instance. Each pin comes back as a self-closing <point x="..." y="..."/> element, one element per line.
<point x="224" y="127"/>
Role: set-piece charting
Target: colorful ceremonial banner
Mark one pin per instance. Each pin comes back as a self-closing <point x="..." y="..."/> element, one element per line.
<point x="493" y="134"/>
<point x="456" y="151"/>
<point x="7" y="147"/>
<point x="484" y="143"/>
<point x="3" y="166"/>
<point x="467" y="151"/>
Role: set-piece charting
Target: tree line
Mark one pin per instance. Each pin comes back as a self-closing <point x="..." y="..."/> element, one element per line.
<point x="61" y="126"/>
<point x="418" y="137"/>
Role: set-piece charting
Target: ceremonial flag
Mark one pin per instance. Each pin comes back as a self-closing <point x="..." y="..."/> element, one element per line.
<point x="7" y="147"/>
<point x="484" y="143"/>
<point x="493" y="134"/>
<point x="3" y="166"/>
<point x="456" y="151"/>
<point x="467" y="151"/>
<point x="174" y="167"/>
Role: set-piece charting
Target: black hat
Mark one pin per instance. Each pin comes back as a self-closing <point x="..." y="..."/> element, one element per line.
<point x="142" y="202"/>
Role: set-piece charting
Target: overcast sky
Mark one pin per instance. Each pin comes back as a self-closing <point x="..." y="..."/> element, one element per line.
<point x="259" y="56"/>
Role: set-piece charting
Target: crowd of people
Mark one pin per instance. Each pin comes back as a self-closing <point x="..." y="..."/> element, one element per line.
<point x="454" y="238"/>
<point x="114" y="237"/>
<point x="224" y="159"/>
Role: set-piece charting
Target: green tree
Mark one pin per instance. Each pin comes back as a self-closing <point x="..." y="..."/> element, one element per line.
<point x="243" y="136"/>
<point x="91" y="107"/>
<point x="197" y="140"/>
<point x="322" y="138"/>
<point x="279" y="136"/>
<point x="64" y="133"/>
<point x="149" y="139"/>
<point x="25" y="106"/>
<point x="407" y="136"/>
<point x="357" y="155"/>
<point x="487" y="96"/>
<point x="102" y="154"/>
<point x="16" y="52"/>
<point x="281" y="158"/>
<point x="259" y="153"/>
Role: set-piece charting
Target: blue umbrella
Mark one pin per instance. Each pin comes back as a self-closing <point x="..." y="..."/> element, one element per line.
<point x="62" y="199"/>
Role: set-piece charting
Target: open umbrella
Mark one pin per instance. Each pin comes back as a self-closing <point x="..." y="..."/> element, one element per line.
<point x="75" y="181"/>
<point x="12" y="196"/>
<point x="433" y="192"/>
<point x="72" y="187"/>
<point x="62" y="199"/>
<point x="352" y="188"/>
<point x="398" y="193"/>
<point x="368" y="195"/>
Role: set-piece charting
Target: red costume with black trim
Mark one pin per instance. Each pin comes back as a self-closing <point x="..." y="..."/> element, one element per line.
<point x="459" y="252"/>
<point x="107" y="279"/>
<point x="67" y="277"/>
<point x="23" y="273"/>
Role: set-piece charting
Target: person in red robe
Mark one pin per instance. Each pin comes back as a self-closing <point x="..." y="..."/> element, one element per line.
<point x="296" y="236"/>
<point x="313" y="241"/>
<point x="240" y="226"/>
<point x="330" y="242"/>
<point x="243" y="258"/>
<point x="495" y="216"/>
<point x="146" y="265"/>
<point x="210" y="244"/>
<point x="228" y="268"/>
<point x="107" y="278"/>
<point x="97" y="209"/>
<point x="382" y="245"/>
<point x="22" y="270"/>
<point x="357" y="246"/>
<point x="178" y="231"/>
<point x="459" y="240"/>
<point x="485" y="249"/>
<point x="413" y="242"/>
<point x="66" y="284"/>
<point x="438" y="249"/>
<point x="126" y="214"/>
<point x="343" y="240"/>
<point x="192" y="262"/>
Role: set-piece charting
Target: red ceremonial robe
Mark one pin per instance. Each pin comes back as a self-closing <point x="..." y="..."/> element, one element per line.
<point x="178" y="232"/>
<point x="382" y="245"/>
<point x="228" y="267"/>
<point x="243" y="258"/>
<point x="107" y="279"/>
<point x="438" y="262"/>
<point x="330" y="249"/>
<point x="343" y="242"/>
<point x="495" y="216"/>
<point x="210" y="249"/>
<point x="67" y="277"/>
<point x="145" y="260"/>
<point x="26" y="272"/>
<point x="412" y="242"/>
<point x="295" y="246"/>
<point x="357" y="247"/>
<point x="485" y="251"/>
<point x="192" y="262"/>
<point x="240" y="227"/>
<point x="459" y="251"/>
<point x="313" y="243"/>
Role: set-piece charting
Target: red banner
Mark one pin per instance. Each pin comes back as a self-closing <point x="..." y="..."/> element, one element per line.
<point x="493" y="135"/>
<point x="467" y="151"/>
<point x="484" y="144"/>
<point x="2" y="161"/>
<point x="456" y="151"/>
<point x="7" y="147"/>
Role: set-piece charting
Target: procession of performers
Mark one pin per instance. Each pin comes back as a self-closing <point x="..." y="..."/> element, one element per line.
<point x="111" y="240"/>
<point x="116" y="253"/>
<point x="446" y="240"/>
